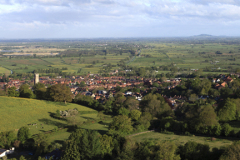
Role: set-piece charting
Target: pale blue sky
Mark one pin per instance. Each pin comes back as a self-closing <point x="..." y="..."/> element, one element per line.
<point x="118" y="18"/>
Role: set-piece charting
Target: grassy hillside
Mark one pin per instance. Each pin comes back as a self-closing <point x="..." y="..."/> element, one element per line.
<point x="18" y="112"/>
<point x="181" y="140"/>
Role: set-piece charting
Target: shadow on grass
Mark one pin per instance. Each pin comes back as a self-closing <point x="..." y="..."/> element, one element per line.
<point x="103" y="123"/>
<point x="53" y="115"/>
<point x="102" y="132"/>
<point x="51" y="122"/>
<point x="89" y="118"/>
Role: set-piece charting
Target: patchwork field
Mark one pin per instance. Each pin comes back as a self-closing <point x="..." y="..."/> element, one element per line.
<point x="184" y="54"/>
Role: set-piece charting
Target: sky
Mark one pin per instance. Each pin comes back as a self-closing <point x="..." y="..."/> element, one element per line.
<point x="29" y="19"/>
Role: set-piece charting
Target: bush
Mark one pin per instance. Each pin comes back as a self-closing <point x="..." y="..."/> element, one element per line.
<point x="23" y="134"/>
<point x="226" y="129"/>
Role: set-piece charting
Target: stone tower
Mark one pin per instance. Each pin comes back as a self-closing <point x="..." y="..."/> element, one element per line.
<point x="36" y="78"/>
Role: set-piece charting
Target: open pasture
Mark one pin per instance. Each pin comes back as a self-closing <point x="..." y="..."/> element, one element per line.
<point x="181" y="140"/>
<point x="18" y="112"/>
<point x="4" y="70"/>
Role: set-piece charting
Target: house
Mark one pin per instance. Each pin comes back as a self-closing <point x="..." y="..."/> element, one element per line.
<point x="228" y="79"/>
<point x="4" y="152"/>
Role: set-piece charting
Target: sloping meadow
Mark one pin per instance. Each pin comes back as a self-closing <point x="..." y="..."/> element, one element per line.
<point x="35" y="114"/>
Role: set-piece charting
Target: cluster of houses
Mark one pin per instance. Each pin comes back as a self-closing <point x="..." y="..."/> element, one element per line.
<point x="108" y="84"/>
<point x="222" y="82"/>
<point x="91" y="81"/>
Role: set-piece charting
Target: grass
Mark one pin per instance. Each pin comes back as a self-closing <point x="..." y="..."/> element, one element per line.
<point x="181" y="140"/>
<point x="4" y="70"/>
<point x="94" y="123"/>
<point x="18" y="112"/>
<point x="184" y="56"/>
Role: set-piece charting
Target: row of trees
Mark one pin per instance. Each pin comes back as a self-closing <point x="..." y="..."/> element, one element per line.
<point x="88" y="145"/>
<point x="57" y="92"/>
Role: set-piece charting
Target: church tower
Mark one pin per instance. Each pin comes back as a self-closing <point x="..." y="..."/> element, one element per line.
<point x="36" y="78"/>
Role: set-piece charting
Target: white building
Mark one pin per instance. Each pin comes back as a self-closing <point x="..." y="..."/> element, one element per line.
<point x="4" y="152"/>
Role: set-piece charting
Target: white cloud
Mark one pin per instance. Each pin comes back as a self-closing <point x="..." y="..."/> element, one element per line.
<point x="133" y="17"/>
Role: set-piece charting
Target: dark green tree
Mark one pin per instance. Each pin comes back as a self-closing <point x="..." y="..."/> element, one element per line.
<point x="40" y="91"/>
<point x="84" y="144"/>
<point x="227" y="110"/>
<point x="25" y="92"/>
<point x="122" y="124"/>
<point x="194" y="151"/>
<point x="232" y="152"/>
<point x="71" y="152"/>
<point x="23" y="134"/>
<point x="61" y="93"/>
<point x="12" y="92"/>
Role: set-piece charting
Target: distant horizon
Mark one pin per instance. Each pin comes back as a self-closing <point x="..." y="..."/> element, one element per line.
<point x="200" y="36"/>
<point x="28" y="19"/>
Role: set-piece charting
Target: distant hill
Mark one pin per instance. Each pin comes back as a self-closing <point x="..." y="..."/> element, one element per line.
<point x="204" y="35"/>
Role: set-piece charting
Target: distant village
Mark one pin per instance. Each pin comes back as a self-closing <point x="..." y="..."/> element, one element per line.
<point x="108" y="84"/>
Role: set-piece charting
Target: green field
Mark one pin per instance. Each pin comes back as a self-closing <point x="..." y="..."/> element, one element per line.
<point x="18" y="112"/>
<point x="181" y="140"/>
<point x="4" y="70"/>
<point x="185" y="54"/>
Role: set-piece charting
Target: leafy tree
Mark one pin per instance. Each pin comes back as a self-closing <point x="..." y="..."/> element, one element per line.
<point x="193" y="97"/>
<point x="144" y="150"/>
<point x="83" y="142"/>
<point x="217" y="130"/>
<point x="213" y="93"/>
<point x="227" y="110"/>
<point x="137" y="90"/>
<point x="82" y="84"/>
<point x="135" y="114"/>
<point x="41" y="144"/>
<point x="119" y="102"/>
<point x="123" y="111"/>
<point x="123" y="148"/>
<point x="38" y="86"/>
<point x="121" y="124"/>
<point x="61" y="93"/>
<point x="131" y="104"/>
<point x="6" y="139"/>
<point x="194" y="151"/>
<point x="145" y="119"/>
<point x="22" y="158"/>
<point x="23" y="134"/>
<point x="12" y="92"/>
<point x="226" y="129"/>
<point x="226" y="92"/>
<point x="108" y="106"/>
<point x="166" y="151"/>
<point x="2" y="93"/>
<point x="207" y="117"/>
<point x="155" y="84"/>
<point x="25" y="92"/>
<point x="155" y="104"/>
<point x="232" y="152"/>
<point x="40" y="91"/>
<point x="106" y="144"/>
<point x="71" y="152"/>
